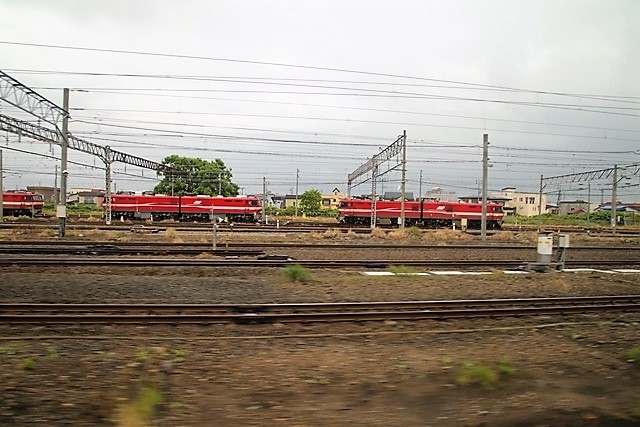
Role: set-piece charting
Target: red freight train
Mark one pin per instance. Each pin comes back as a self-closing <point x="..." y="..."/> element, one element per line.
<point x="16" y="203"/>
<point x="186" y="208"/>
<point x="427" y="213"/>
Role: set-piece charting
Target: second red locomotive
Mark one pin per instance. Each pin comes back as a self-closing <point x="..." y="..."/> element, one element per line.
<point x="427" y="213"/>
<point x="186" y="208"/>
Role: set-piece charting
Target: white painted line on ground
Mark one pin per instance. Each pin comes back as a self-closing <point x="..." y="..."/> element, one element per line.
<point x="586" y="270"/>
<point x="470" y="273"/>
<point x="479" y="273"/>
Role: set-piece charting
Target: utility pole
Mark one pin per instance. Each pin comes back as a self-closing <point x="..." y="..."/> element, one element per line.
<point x="62" y="205"/>
<point x="588" y="203"/>
<point x="107" y="183"/>
<point x="219" y="183"/>
<point x="1" y="190"/>
<point x="297" y="182"/>
<point x="614" y="199"/>
<point x="420" y="187"/>
<point x="559" y="196"/>
<point x="540" y="203"/>
<point x="374" y="178"/>
<point x="404" y="178"/>
<point x="56" y="193"/>
<point x="264" y="199"/>
<point x="485" y="172"/>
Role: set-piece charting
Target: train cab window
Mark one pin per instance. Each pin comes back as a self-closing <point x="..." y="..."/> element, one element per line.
<point x="342" y="205"/>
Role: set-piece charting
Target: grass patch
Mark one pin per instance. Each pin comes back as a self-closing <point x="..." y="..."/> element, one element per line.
<point x="378" y="233"/>
<point x="296" y="273"/>
<point x="332" y="233"/>
<point x="633" y="354"/>
<point x="446" y="236"/>
<point x="402" y="269"/>
<point x="139" y="412"/>
<point x="484" y="375"/>
<point x="28" y="365"/>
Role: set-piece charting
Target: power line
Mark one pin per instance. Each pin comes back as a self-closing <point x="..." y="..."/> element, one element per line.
<point x="250" y="79"/>
<point x="242" y="61"/>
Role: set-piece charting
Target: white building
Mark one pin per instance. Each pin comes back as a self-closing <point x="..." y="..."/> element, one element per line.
<point x="523" y="204"/>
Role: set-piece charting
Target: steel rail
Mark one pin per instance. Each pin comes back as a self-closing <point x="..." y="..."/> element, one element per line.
<point x="114" y="250"/>
<point x="347" y="316"/>
<point x="239" y="263"/>
<point x="83" y="244"/>
<point x="298" y="307"/>
<point x="284" y="228"/>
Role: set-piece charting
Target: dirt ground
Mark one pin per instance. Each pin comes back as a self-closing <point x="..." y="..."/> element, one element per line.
<point x="539" y="371"/>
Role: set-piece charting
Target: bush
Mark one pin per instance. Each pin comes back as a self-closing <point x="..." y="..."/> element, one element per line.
<point x="296" y="273"/>
<point x="487" y="377"/>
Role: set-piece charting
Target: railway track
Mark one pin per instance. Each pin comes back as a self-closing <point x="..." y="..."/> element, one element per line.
<point x="301" y="313"/>
<point x="298" y="227"/>
<point x="281" y="261"/>
<point x="69" y="246"/>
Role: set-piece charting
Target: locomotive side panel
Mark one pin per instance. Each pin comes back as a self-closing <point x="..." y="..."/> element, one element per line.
<point x="186" y="208"/>
<point x="425" y="213"/>
<point x="22" y="204"/>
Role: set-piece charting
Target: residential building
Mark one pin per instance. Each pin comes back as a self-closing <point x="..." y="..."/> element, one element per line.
<point x="331" y="201"/>
<point x="50" y="194"/>
<point x="88" y="197"/>
<point x="523" y="204"/>
<point x="436" y="194"/>
<point x="575" y="207"/>
<point x="397" y="195"/>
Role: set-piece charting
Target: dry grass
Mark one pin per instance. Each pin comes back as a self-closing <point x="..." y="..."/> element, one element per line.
<point x="47" y="232"/>
<point x="446" y="236"/>
<point x="332" y="233"/>
<point x="206" y="255"/>
<point x="524" y="237"/>
<point x="173" y="236"/>
<point x="378" y="233"/>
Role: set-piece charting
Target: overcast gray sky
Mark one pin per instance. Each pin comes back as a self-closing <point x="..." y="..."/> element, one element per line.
<point x="274" y="86"/>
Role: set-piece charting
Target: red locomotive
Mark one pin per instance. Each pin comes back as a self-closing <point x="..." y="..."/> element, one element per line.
<point x="186" y="208"/>
<point x="16" y="203"/>
<point x="427" y="213"/>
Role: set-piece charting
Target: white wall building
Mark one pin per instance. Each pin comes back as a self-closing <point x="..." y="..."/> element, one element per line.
<point x="524" y="204"/>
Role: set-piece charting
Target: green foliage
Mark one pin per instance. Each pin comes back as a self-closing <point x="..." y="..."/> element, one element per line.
<point x="413" y="231"/>
<point x="197" y="176"/>
<point x="402" y="269"/>
<point x="505" y="368"/>
<point x="310" y="201"/>
<point x="83" y="207"/>
<point x="633" y="354"/>
<point x="142" y="354"/>
<point x="148" y="399"/>
<point x="28" y="365"/>
<point x="291" y="211"/>
<point x="595" y="218"/>
<point x="140" y="411"/>
<point x="473" y="373"/>
<point x="296" y="273"/>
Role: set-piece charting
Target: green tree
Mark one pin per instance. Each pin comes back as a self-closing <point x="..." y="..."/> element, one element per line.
<point x="196" y="176"/>
<point x="310" y="201"/>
